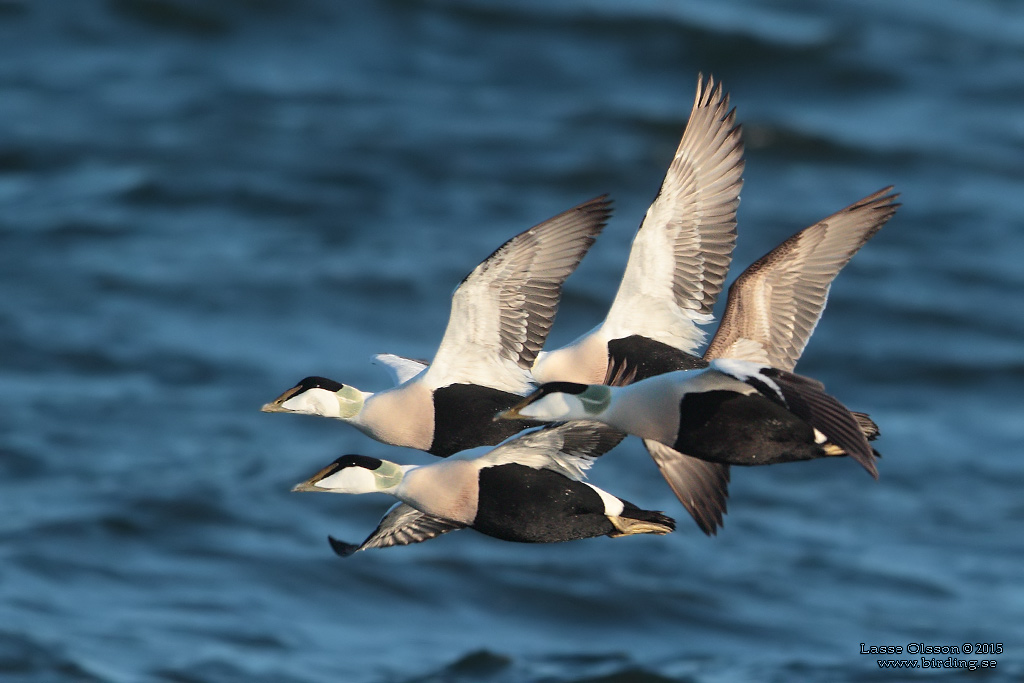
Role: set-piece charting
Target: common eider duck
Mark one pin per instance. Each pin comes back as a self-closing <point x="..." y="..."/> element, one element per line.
<point x="733" y="412"/>
<point x="529" y="489"/>
<point x="772" y="309"/>
<point x="500" y="317"/>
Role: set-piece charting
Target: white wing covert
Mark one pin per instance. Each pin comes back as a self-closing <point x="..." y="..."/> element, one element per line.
<point x="682" y="251"/>
<point x="503" y="310"/>
<point x="568" y="448"/>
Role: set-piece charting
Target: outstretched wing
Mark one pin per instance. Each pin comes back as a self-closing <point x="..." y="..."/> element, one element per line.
<point x="568" y="448"/>
<point x="682" y="250"/>
<point x="401" y="525"/>
<point x="502" y="311"/>
<point x="775" y="304"/>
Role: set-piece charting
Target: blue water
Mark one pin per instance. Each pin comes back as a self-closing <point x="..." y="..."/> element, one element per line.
<point x="204" y="202"/>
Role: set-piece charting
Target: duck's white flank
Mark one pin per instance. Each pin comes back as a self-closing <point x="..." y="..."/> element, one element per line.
<point x="402" y="415"/>
<point x="584" y="360"/>
<point x="651" y="407"/>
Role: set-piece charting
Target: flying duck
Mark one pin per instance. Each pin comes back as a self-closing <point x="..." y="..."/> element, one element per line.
<point x="529" y="489"/>
<point x="675" y="270"/>
<point x="734" y="412"/>
<point x="500" y="317"/>
<point x="772" y="309"/>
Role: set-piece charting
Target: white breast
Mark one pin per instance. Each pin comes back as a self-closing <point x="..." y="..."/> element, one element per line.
<point x="448" y="489"/>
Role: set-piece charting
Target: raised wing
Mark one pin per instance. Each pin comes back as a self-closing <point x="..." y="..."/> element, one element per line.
<point x="502" y="311"/>
<point x="775" y="304"/>
<point x="401" y="525"/>
<point x="400" y="368"/>
<point x="681" y="253"/>
<point x="568" y="448"/>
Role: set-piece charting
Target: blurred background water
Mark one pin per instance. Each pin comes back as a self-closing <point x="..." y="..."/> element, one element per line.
<point x="205" y="201"/>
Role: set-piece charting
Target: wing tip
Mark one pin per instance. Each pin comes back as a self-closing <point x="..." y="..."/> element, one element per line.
<point x="341" y="548"/>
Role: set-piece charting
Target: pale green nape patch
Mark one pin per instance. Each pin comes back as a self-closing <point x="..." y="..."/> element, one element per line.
<point x="595" y="398"/>
<point x="350" y="402"/>
<point x="388" y="475"/>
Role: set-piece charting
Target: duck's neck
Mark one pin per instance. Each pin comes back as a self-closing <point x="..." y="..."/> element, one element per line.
<point x="448" y="489"/>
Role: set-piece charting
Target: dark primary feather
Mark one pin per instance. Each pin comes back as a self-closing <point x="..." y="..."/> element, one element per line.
<point x="402" y="525"/>
<point x="867" y="425"/>
<point x="589" y="439"/>
<point x="702" y="487"/>
<point x="807" y="399"/>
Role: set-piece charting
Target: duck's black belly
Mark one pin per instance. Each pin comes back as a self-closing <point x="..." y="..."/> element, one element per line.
<point x="519" y="503"/>
<point x="648" y="358"/>
<point x="738" y="429"/>
<point x="464" y="418"/>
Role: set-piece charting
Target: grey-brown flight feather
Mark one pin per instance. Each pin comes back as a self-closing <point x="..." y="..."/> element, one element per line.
<point x="776" y="303"/>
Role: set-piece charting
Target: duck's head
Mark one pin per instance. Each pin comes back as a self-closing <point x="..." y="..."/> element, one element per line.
<point x="355" y="474"/>
<point x="319" y="396"/>
<point x="560" y="401"/>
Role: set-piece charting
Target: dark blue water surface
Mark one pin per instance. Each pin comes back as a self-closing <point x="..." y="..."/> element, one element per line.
<point x="203" y="202"/>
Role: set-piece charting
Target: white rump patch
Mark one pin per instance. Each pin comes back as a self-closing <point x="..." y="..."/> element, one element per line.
<point x="740" y="369"/>
<point x="613" y="507"/>
<point x="744" y="371"/>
